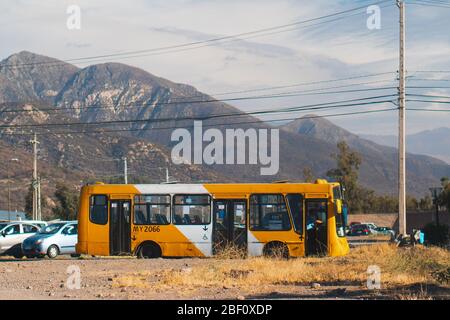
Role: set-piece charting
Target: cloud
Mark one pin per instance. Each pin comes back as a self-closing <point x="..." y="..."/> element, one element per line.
<point x="310" y="52"/>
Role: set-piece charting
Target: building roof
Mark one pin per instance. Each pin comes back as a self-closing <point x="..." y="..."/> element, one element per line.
<point x="15" y="215"/>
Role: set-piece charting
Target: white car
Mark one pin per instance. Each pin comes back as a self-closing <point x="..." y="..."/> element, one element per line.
<point x="373" y="227"/>
<point x="12" y="234"/>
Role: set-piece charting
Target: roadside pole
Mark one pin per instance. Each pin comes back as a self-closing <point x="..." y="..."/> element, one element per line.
<point x="402" y="125"/>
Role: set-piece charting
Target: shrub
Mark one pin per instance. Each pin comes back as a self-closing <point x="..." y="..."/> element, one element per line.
<point x="437" y="235"/>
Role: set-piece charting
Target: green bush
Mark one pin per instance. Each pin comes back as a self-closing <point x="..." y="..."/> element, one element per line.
<point x="437" y="235"/>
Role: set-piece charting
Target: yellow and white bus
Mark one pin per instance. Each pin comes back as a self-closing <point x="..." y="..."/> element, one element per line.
<point x="198" y="220"/>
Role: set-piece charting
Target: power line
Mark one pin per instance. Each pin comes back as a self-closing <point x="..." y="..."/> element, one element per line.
<point x="424" y="79"/>
<point x="306" y="83"/>
<point x="212" y="125"/>
<point x="428" y="96"/>
<point x="150" y="120"/>
<point x="176" y="103"/>
<point x="239" y="92"/>
<point x="431" y="71"/>
<point x="428" y="87"/>
<point x="430" y="110"/>
<point x="429" y="101"/>
<point x="430" y="4"/>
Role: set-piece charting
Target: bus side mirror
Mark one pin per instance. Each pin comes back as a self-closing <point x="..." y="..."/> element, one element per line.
<point x="338" y="204"/>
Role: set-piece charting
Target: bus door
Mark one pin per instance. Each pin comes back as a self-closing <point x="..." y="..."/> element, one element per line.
<point x="316" y="227"/>
<point x="120" y="227"/>
<point x="230" y="224"/>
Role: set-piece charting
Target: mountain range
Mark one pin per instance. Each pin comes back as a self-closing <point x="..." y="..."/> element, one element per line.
<point x="435" y="142"/>
<point x="36" y="89"/>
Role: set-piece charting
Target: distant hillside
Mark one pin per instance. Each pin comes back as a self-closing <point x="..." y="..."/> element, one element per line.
<point x="34" y="93"/>
<point x="379" y="165"/>
<point x="434" y="142"/>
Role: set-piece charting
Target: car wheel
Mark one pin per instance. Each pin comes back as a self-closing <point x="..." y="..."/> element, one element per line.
<point x="52" y="251"/>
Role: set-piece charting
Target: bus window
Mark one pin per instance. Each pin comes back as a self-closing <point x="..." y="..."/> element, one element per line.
<point x="340" y="222"/>
<point x="337" y="194"/>
<point x="295" y="202"/>
<point x="268" y="212"/>
<point x="98" y="211"/>
<point x="191" y="209"/>
<point x="152" y="209"/>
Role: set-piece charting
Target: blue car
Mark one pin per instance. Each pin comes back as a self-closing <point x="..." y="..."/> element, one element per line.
<point x="53" y="240"/>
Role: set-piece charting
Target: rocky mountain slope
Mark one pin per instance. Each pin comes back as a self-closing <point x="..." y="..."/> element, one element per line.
<point x="32" y="92"/>
<point x="379" y="165"/>
<point x="434" y="142"/>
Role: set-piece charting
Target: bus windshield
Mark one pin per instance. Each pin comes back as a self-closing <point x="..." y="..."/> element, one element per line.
<point x="337" y="194"/>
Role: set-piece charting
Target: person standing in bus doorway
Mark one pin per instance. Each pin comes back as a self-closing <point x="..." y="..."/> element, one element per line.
<point x="311" y="239"/>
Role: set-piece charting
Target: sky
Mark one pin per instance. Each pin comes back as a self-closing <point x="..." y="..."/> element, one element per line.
<point x="319" y="50"/>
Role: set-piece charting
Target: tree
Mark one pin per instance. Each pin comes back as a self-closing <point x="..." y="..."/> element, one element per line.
<point x="445" y="196"/>
<point x="346" y="173"/>
<point x="67" y="203"/>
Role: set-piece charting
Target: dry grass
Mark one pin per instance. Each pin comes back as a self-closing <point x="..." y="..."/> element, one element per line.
<point x="399" y="268"/>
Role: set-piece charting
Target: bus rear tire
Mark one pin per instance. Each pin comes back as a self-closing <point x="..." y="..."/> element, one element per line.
<point x="149" y="250"/>
<point x="276" y="250"/>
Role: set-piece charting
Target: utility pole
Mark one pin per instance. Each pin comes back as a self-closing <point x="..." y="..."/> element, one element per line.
<point x="34" y="183"/>
<point x="167" y="175"/>
<point x="125" y="170"/>
<point x="401" y="126"/>
<point x="39" y="211"/>
<point x="9" y="198"/>
<point x="9" y="188"/>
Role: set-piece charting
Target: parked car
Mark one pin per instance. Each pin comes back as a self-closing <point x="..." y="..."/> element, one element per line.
<point x="12" y="234"/>
<point x="53" y="240"/>
<point x="359" y="230"/>
<point x="353" y="223"/>
<point x="371" y="225"/>
<point x="386" y="231"/>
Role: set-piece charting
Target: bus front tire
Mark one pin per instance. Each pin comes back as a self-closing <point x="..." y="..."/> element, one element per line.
<point x="149" y="251"/>
<point x="277" y="250"/>
<point x="52" y="251"/>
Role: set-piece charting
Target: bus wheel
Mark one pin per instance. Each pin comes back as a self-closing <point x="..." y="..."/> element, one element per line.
<point x="149" y="250"/>
<point x="276" y="250"/>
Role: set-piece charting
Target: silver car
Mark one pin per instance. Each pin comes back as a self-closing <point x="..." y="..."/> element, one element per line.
<point x="53" y="240"/>
<point x="13" y="233"/>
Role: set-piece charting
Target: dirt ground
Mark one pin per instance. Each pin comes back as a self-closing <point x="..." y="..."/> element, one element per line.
<point x="117" y="278"/>
<point x="131" y="278"/>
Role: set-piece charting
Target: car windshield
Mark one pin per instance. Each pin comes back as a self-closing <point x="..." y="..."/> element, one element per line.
<point x="53" y="228"/>
<point x="2" y="225"/>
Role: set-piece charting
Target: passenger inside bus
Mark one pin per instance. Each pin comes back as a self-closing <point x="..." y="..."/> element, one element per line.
<point x="139" y="217"/>
<point x="316" y="230"/>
